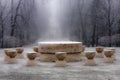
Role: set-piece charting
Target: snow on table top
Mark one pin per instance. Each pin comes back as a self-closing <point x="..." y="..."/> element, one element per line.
<point x="60" y="42"/>
<point x="47" y="71"/>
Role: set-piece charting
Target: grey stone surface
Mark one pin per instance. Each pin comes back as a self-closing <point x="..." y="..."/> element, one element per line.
<point x="47" y="71"/>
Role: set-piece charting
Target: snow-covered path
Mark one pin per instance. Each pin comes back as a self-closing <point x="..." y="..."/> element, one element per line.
<point x="47" y="71"/>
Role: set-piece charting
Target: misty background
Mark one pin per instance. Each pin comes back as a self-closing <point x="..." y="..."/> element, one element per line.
<point x="94" y="22"/>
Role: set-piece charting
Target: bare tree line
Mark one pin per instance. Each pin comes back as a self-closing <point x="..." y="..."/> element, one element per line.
<point x="16" y="23"/>
<point x="94" y="22"/>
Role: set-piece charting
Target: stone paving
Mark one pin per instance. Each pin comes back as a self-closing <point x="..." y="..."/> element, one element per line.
<point x="47" y="71"/>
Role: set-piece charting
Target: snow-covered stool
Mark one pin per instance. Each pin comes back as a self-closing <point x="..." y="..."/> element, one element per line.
<point x="83" y="49"/>
<point x="36" y="50"/>
<point x="31" y="59"/>
<point x="90" y="58"/>
<point x="6" y="58"/>
<point x="114" y="51"/>
<point x="108" y="56"/>
<point x="99" y="52"/>
<point x="20" y="53"/>
<point x="60" y="62"/>
<point x="12" y="57"/>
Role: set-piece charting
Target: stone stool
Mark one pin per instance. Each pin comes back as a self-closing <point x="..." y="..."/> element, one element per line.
<point x="36" y="50"/>
<point x="31" y="59"/>
<point x="114" y="50"/>
<point x="90" y="58"/>
<point x="12" y="57"/>
<point x="6" y="58"/>
<point x="61" y="62"/>
<point x="108" y="56"/>
<point x="99" y="51"/>
<point x="20" y="53"/>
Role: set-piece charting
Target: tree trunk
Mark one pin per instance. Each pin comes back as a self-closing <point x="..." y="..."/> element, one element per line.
<point x="14" y="17"/>
<point x="12" y="20"/>
<point x="109" y="21"/>
<point x="93" y="35"/>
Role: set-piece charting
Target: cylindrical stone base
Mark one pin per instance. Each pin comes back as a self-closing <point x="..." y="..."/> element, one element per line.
<point x="60" y="63"/>
<point x="90" y="62"/>
<point x="52" y="57"/>
<point x="109" y="60"/>
<point x="31" y="63"/>
<point x="12" y="61"/>
<point x="6" y="58"/>
<point x="20" y="56"/>
<point x="100" y="55"/>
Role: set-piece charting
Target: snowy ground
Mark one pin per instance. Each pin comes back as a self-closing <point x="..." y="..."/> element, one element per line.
<point x="47" y="71"/>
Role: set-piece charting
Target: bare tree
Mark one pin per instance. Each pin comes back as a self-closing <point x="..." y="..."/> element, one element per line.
<point x="96" y="15"/>
<point x="14" y="16"/>
<point x="2" y="23"/>
<point x="110" y="17"/>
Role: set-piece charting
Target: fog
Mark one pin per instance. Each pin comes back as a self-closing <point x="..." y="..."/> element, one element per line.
<point x="53" y="30"/>
<point x="93" y="22"/>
